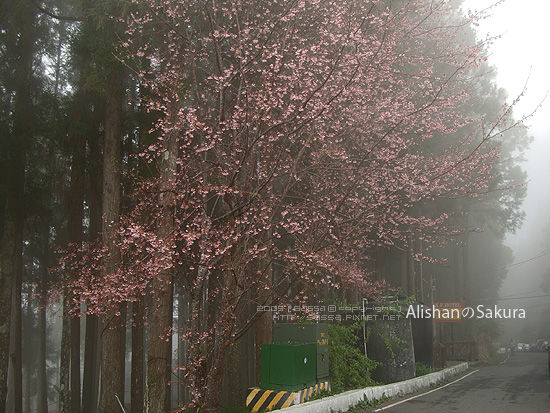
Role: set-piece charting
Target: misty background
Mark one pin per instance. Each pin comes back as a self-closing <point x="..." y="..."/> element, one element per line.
<point x="520" y="56"/>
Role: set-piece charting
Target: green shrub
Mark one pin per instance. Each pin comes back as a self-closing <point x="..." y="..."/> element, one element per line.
<point x="320" y="395"/>
<point x="349" y="367"/>
<point x="423" y="369"/>
<point x="368" y="404"/>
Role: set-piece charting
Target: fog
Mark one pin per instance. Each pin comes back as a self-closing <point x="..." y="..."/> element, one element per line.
<point x="520" y="57"/>
<point x="282" y="159"/>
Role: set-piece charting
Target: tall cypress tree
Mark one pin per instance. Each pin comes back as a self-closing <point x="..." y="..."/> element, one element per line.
<point x="19" y="41"/>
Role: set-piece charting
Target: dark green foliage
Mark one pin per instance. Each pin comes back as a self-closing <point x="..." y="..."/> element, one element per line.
<point x="368" y="404"/>
<point x="320" y="395"/>
<point x="422" y="369"/>
<point x="393" y="344"/>
<point x="349" y="367"/>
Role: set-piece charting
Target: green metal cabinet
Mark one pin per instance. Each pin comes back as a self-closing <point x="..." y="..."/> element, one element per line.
<point x="306" y="333"/>
<point x="288" y="366"/>
<point x="322" y="367"/>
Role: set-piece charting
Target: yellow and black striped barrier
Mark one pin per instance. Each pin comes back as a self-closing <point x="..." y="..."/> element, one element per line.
<point x="266" y="400"/>
<point x="259" y="400"/>
<point x="306" y="394"/>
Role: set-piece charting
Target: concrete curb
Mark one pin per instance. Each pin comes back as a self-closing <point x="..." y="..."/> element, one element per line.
<point x="347" y="400"/>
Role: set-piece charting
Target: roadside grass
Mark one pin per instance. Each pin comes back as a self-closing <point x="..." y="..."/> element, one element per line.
<point x="423" y="369"/>
<point x="320" y="395"/>
<point x="368" y="404"/>
<point x="441" y="382"/>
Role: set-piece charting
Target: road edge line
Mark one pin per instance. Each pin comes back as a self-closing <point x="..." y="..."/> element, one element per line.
<point x="423" y="394"/>
<point x="348" y="400"/>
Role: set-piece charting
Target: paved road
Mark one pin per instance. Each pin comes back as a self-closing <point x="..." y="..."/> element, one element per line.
<point x="521" y="384"/>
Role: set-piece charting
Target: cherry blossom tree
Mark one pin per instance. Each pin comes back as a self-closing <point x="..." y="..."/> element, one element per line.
<point x="294" y="139"/>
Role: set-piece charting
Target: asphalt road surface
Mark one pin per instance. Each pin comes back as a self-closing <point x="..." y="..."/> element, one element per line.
<point x="520" y="384"/>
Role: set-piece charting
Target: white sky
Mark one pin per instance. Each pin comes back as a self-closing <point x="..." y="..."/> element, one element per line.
<point x="522" y="53"/>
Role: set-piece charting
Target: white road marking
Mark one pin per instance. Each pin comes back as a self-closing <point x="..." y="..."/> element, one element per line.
<point x="423" y="394"/>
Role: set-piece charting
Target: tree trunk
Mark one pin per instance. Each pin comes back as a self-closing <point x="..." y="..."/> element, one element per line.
<point x="17" y="302"/>
<point x="75" y="201"/>
<point x="196" y="370"/>
<point x="160" y="320"/>
<point x="215" y="378"/>
<point x="418" y="271"/>
<point x="91" y="370"/>
<point x="468" y="325"/>
<point x="234" y="388"/>
<point x="90" y="385"/>
<point x="124" y="326"/>
<point x="221" y="341"/>
<point x="65" y="360"/>
<point x="42" y="381"/>
<point x="138" y="336"/>
<point x="75" y="365"/>
<point x="42" y="375"/>
<point x="69" y="398"/>
<point x="112" y="385"/>
<point x="264" y="334"/>
<point x="7" y="267"/>
<point x="183" y="318"/>
<point x="13" y="219"/>
<point x="264" y="326"/>
<point x="404" y="279"/>
<point x="411" y="280"/>
<point x="27" y="391"/>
